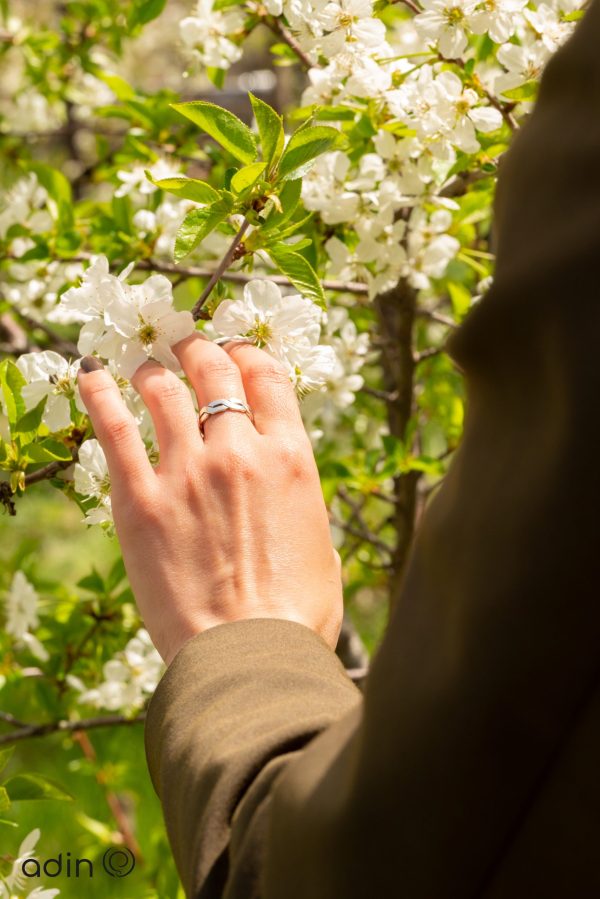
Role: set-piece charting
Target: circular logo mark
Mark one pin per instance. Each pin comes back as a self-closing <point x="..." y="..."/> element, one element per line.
<point x="118" y="862"/>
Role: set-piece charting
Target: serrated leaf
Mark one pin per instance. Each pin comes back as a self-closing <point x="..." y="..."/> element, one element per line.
<point x="197" y="224"/>
<point x="299" y="271"/>
<point x="303" y="148"/>
<point x="223" y="126"/>
<point x="12" y="382"/>
<point x="34" y="786"/>
<point x="270" y="130"/>
<point x="247" y="177"/>
<point x="188" y="188"/>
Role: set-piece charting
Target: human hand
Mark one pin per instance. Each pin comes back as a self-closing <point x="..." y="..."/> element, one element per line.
<point x="228" y="528"/>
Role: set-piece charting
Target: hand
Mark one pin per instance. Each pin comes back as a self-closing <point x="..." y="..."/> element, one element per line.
<point x="231" y="527"/>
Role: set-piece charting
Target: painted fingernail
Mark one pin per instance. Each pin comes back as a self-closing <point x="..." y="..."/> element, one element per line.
<point x="91" y="363"/>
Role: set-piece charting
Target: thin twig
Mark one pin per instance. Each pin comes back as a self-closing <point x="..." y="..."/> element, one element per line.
<point x="436" y="317"/>
<point x="412" y="6"/>
<point x="169" y="268"/>
<point x="10" y="719"/>
<point x="281" y="31"/>
<point x="42" y="474"/>
<point x="222" y="267"/>
<point x="52" y="727"/>
<point x="427" y="353"/>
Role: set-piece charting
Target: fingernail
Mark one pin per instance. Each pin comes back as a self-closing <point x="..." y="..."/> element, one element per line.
<point x="91" y="363"/>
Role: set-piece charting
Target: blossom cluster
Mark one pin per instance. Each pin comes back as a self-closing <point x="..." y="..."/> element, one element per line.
<point x="128" y="679"/>
<point x="16" y="883"/>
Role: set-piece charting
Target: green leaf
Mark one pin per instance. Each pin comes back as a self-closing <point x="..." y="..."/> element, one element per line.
<point x="246" y="178"/>
<point x="92" y="582"/>
<point x="299" y="271"/>
<point x="5" y="755"/>
<point x="461" y="298"/>
<point x="34" y="786"/>
<point x="49" y="450"/>
<point x="197" y="224"/>
<point x="187" y="188"/>
<point x="303" y="148"/>
<point x="58" y="188"/>
<point x="289" y="198"/>
<point x="4" y="802"/>
<point x="216" y="76"/>
<point x="270" y="129"/>
<point x="116" y="575"/>
<point x="30" y="422"/>
<point x="293" y="228"/>
<point x="223" y="126"/>
<point x="146" y="10"/>
<point x="12" y="382"/>
<point x="527" y="91"/>
<point x="120" y="88"/>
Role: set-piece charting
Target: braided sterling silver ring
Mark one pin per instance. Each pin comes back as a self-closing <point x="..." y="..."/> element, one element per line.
<point x="229" y="405"/>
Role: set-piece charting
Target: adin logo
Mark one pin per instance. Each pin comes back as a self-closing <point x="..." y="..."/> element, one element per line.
<point x="116" y="861"/>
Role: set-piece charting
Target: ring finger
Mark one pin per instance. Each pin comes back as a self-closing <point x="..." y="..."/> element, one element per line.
<point x="214" y="376"/>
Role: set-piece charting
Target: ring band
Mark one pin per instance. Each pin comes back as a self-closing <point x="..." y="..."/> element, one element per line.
<point x="227" y="405"/>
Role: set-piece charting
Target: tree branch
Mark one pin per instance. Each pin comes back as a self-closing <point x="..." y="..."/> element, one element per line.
<point x="169" y="268"/>
<point x="283" y="34"/>
<point x="52" y="727"/>
<point x="221" y="268"/>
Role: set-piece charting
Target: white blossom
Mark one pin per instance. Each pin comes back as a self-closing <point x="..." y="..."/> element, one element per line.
<point x="21" y="607"/>
<point x="24" y="204"/>
<point x="129" y="678"/>
<point x="136" y="181"/>
<point x="207" y="31"/>
<point x="16" y="883"/>
<point x="92" y="481"/>
<point x="523" y="64"/>
<point x="50" y="375"/>
<point x="446" y="22"/>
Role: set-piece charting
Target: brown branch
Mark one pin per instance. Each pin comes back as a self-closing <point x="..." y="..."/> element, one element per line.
<point x="412" y="6"/>
<point x="113" y="801"/>
<point x="51" y="727"/>
<point x="224" y="264"/>
<point x="46" y="472"/>
<point x="169" y="268"/>
<point x="427" y="353"/>
<point x="65" y="346"/>
<point x="10" y="719"/>
<point x="436" y="317"/>
<point x="364" y="535"/>
<point x="274" y="23"/>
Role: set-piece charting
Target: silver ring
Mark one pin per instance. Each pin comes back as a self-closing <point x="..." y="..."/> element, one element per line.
<point x="227" y="405"/>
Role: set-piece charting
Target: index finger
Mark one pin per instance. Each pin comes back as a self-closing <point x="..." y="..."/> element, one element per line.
<point x="115" y="428"/>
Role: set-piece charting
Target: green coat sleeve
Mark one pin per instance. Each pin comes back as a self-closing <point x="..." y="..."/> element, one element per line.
<point x="470" y="769"/>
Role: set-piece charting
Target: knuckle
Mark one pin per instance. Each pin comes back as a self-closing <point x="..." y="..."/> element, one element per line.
<point x="217" y="367"/>
<point x="296" y="459"/>
<point x="267" y="372"/>
<point x="166" y="391"/>
<point x="117" y="430"/>
<point x="237" y="462"/>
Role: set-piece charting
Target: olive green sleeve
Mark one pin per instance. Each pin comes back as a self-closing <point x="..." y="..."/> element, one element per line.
<point x="237" y="702"/>
<point x="480" y="726"/>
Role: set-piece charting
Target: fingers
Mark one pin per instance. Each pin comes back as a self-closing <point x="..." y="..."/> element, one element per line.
<point x="214" y="376"/>
<point x="115" y="428"/>
<point x="170" y="404"/>
<point x="269" y="391"/>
